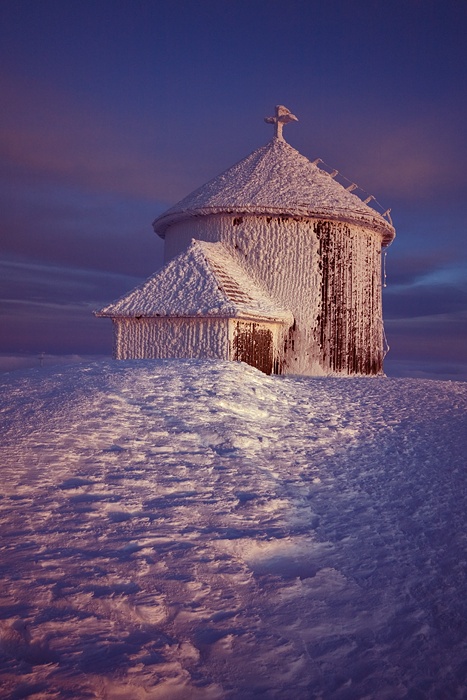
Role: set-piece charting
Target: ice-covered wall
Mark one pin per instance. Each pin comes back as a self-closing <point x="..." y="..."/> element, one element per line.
<point x="138" y="338"/>
<point x="257" y="343"/>
<point x="326" y="273"/>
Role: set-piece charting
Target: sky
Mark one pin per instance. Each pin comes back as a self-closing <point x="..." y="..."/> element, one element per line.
<point x="112" y="111"/>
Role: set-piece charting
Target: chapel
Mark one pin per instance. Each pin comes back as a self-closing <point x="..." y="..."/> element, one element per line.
<point x="276" y="262"/>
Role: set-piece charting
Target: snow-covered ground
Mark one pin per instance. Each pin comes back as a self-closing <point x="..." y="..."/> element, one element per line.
<point x="188" y="529"/>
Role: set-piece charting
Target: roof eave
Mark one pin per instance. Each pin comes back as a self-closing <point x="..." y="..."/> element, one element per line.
<point x="284" y="318"/>
<point x="373" y="221"/>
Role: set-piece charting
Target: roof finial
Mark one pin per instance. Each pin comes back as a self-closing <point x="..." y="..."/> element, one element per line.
<point x="283" y="116"/>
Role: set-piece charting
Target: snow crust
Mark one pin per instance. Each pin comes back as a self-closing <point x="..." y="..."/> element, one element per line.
<point x="276" y="180"/>
<point x="204" y="280"/>
<point x="190" y="529"/>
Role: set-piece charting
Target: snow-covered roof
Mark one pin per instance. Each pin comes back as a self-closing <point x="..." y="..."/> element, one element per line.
<point x="204" y="280"/>
<point x="276" y="180"/>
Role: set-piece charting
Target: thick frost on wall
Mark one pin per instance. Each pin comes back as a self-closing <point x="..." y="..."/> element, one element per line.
<point x="139" y="338"/>
<point x="280" y="255"/>
<point x="257" y="343"/>
<point x="326" y="273"/>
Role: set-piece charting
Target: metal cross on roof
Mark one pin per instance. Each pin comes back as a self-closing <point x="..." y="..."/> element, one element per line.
<point x="283" y="116"/>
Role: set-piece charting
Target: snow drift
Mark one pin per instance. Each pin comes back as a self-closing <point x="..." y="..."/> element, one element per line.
<point x="190" y="529"/>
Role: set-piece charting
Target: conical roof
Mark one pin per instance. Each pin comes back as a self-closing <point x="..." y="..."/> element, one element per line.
<point x="276" y="180"/>
<point x="202" y="281"/>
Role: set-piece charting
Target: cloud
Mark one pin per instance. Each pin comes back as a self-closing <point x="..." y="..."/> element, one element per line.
<point x="51" y="327"/>
<point x="50" y="308"/>
<point x="67" y="226"/>
<point x="393" y="154"/>
<point x="426" y="369"/>
<point x="12" y="363"/>
<point x="408" y="268"/>
<point x="436" y="338"/>
<point x="161" y="157"/>
<point x="411" y="267"/>
<point x="409" y="160"/>
<point x="425" y="312"/>
<point x="33" y="282"/>
<point x="424" y="302"/>
<point x="48" y="133"/>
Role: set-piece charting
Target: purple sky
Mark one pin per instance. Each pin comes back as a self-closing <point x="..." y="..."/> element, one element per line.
<point x="114" y="110"/>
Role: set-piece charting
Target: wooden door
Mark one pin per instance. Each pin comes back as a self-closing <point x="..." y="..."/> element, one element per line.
<point x="253" y="344"/>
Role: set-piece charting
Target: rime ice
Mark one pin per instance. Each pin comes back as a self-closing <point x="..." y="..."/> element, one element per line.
<point x="306" y="252"/>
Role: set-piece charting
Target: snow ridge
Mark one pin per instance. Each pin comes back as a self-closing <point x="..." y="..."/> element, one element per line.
<point x="194" y="529"/>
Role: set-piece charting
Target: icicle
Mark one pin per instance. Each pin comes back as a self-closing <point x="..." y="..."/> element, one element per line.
<point x="386" y="346"/>
<point x="385" y="254"/>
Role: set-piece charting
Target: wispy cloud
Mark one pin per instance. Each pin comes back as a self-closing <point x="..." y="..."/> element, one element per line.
<point x="424" y="268"/>
<point x="405" y="156"/>
<point x="68" y="227"/>
<point x="52" y="134"/>
<point x="423" y="301"/>
<point x="34" y="283"/>
<point x="52" y="326"/>
<point x="429" y="338"/>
